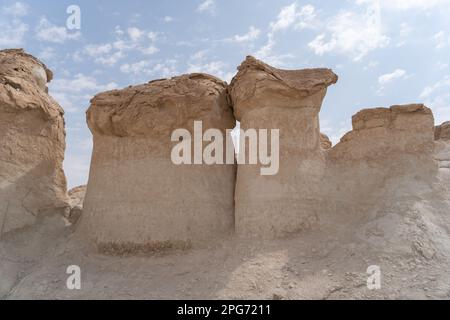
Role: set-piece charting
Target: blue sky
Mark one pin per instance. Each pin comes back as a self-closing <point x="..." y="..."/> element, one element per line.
<point x="385" y="52"/>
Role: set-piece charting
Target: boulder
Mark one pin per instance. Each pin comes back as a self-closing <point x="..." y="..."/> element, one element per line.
<point x="32" y="142"/>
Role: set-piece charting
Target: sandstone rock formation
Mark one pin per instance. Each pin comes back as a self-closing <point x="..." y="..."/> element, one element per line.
<point x="137" y="198"/>
<point x="442" y="132"/>
<point x="268" y="98"/>
<point x="385" y="162"/>
<point x="325" y="142"/>
<point x="442" y="156"/>
<point x="32" y="142"/>
<point x="76" y="200"/>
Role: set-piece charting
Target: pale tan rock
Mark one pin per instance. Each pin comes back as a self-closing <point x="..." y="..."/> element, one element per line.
<point x="32" y="142"/>
<point x="381" y="132"/>
<point x="268" y="98"/>
<point x="442" y="132"/>
<point x="137" y="199"/>
<point x="325" y="142"/>
<point x="76" y="200"/>
<point x="386" y="161"/>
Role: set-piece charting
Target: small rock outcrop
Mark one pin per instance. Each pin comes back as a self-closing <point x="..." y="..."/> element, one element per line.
<point x="268" y="98"/>
<point x="380" y="133"/>
<point x="442" y="132"/>
<point x="76" y="200"/>
<point x="137" y="198"/>
<point x="325" y="142"/>
<point x="32" y="142"/>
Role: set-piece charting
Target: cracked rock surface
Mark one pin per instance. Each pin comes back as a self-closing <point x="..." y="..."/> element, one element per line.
<point x="32" y="142"/>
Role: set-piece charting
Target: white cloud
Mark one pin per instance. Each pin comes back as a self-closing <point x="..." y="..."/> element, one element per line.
<point x="207" y="6"/>
<point x="291" y="16"/>
<point x="252" y="34"/>
<point x="168" y="19"/>
<point x="430" y="90"/>
<point x="372" y="64"/>
<point x="133" y="39"/>
<point x="135" y="34"/>
<point x="405" y="4"/>
<point x="74" y="92"/>
<point x="146" y="68"/>
<point x="352" y="34"/>
<point x="110" y="60"/>
<point x="441" y="65"/>
<point x="80" y="83"/>
<point x="441" y="39"/>
<point x="17" y="9"/>
<point x="46" y="31"/>
<point x="98" y="49"/>
<point x="12" y="33"/>
<point x="199" y="55"/>
<point x="437" y="97"/>
<point x="216" y="68"/>
<point x="13" y="29"/>
<point x="47" y="54"/>
<point x="389" y="77"/>
<point x="149" y="50"/>
<point x="153" y="36"/>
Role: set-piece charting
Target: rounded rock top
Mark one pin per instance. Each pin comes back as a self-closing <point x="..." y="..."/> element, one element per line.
<point x="259" y="85"/>
<point x="160" y="106"/>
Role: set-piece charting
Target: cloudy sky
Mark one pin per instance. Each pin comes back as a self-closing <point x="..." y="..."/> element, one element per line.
<point x="385" y="52"/>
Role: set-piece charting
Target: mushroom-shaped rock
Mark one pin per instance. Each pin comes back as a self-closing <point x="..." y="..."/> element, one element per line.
<point x="137" y="198"/>
<point x="32" y="142"/>
<point x="268" y="98"/>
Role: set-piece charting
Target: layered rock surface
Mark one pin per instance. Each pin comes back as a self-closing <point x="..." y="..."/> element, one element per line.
<point x="267" y="98"/>
<point x="32" y="142"/>
<point x="442" y="132"/>
<point x="137" y="198"/>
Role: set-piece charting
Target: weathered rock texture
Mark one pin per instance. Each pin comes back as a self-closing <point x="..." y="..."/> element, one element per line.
<point x="267" y="98"/>
<point x="76" y="200"/>
<point x="385" y="163"/>
<point x="442" y="132"/>
<point x="325" y="142"/>
<point x="31" y="142"/>
<point x="137" y="199"/>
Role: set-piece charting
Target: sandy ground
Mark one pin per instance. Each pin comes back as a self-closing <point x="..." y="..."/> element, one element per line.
<point x="312" y="265"/>
<point x="408" y="238"/>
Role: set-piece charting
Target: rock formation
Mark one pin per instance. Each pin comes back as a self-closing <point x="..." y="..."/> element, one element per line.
<point x="32" y="142"/>
<point x="386" y="161"/>
<point x="325" y="142"/>
<point x="442" y="132"/>
<point x="76" y="200"/>
<point x="268" y="98"/>
<point x="442" y="154"/>
<point x="137" y="198"/>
